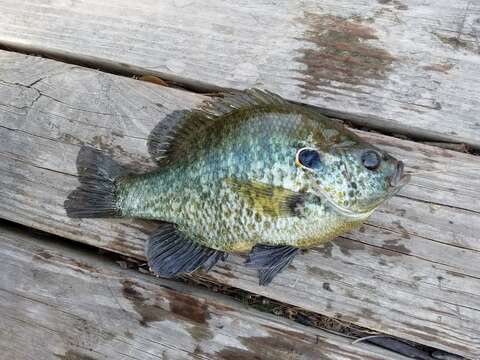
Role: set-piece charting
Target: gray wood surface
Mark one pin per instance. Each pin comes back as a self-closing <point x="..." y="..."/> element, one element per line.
<point x="411" y="271"/>
<point x="59" y="302"/>
<point x="409" y="66"/>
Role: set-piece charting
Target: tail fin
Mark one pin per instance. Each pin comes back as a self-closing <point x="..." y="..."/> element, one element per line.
<point x="95" y="197"/>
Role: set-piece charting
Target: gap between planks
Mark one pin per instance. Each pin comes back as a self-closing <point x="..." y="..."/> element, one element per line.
<point x="175" y="81"/>
<point x="418" y="252"/>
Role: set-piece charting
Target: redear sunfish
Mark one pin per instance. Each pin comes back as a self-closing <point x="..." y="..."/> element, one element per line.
<point x="246" y="172"/>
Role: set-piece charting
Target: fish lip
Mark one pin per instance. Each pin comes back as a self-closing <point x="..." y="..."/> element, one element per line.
<point x="398" y="180"/>
<point x="395" y="178"/>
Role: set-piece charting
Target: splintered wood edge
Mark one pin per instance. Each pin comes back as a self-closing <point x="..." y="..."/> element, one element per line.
<point x="373" y="278"/>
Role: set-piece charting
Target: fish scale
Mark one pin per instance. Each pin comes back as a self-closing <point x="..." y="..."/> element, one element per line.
<point x="230" y="180"/>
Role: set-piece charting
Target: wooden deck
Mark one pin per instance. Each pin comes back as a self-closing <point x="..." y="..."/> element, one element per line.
<point x="412" y="271"/>
<point x="58" y="302"/>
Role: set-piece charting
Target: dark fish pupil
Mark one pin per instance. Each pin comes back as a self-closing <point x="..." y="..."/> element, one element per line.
<point x="371" y="160"/>
<point x="309" y="158"/>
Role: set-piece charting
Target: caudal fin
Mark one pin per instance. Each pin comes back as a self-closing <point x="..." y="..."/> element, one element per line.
<point x="95" y="197"/>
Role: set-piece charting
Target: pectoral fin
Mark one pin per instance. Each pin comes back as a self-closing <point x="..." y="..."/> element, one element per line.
<point x="270" y="260"/>
<point x="275" y="201"/>
<point x="170" y="253"/>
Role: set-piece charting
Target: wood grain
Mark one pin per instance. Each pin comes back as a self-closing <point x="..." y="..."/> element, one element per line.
<point x="409" y="66"/>
<point x="411" y="271"/>
<point x="62" y="302"/>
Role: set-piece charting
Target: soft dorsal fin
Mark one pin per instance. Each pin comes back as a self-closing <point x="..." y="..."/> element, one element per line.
<point x="274" y="201"/>
<point x="173" y="136"/>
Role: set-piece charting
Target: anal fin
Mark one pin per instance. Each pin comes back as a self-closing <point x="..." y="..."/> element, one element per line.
<point x="170" y="253"/>
<point x="270" y="260"/>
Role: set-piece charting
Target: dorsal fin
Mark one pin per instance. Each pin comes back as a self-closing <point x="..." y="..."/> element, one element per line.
<point x="173" y="136"/>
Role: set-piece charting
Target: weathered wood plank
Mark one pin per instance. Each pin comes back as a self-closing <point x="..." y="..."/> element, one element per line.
<point x="412" y="271"/>
<point x="410" y="66"/>
<point x="62" y="302"/>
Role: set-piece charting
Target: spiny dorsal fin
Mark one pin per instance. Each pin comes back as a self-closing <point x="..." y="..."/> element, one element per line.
<point x="236" y="100"/>
<point x="176" y="134"/>
<point x="274" y="201"/>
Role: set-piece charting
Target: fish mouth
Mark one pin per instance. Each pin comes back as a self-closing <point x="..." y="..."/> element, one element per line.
<point x="399" y="179"/>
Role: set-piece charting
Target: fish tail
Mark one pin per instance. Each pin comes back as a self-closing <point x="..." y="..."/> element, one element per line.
<point x="96" y="195"/>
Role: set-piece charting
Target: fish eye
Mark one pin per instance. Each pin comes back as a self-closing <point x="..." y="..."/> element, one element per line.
<point x="371" y="159"/>
<point x="308" y="158"/>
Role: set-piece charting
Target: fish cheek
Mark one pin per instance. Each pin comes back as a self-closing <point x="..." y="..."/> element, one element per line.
<point x="367" y="191"/>
<point x="344" y="185"/>
<point x="333" y="181"/>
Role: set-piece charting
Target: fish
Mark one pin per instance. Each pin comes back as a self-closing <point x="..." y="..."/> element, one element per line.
<point x="246" y="172"/>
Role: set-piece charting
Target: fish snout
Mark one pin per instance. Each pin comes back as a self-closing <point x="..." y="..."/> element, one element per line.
<point x="399" y="178"/>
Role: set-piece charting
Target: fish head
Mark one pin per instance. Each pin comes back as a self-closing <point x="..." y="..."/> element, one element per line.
<point x="350" y="174"/>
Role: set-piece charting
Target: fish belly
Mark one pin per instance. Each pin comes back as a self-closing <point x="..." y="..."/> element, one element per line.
<point x="238" y="229"/>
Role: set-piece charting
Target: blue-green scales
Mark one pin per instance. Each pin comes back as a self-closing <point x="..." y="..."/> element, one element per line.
<point x="245" y="172"/>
